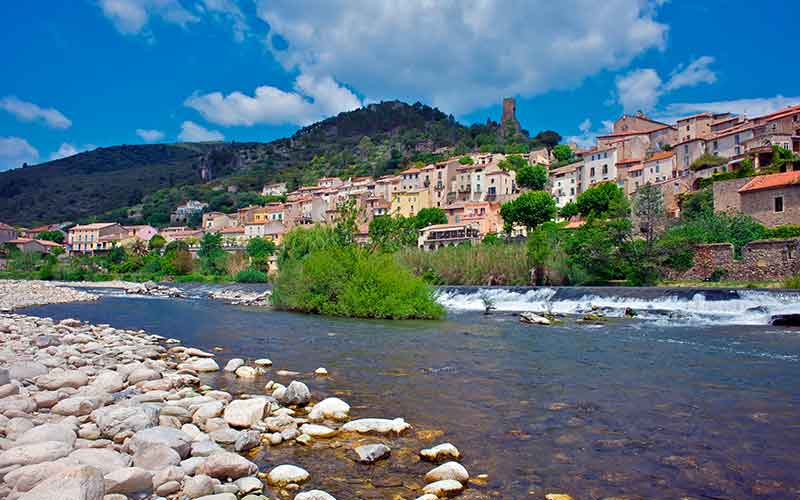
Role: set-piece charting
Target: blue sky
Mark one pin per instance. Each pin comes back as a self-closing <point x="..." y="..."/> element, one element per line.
<point x="89" y="73"/>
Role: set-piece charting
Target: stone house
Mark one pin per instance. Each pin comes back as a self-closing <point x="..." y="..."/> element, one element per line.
<point x="410" y="179"/>
<point x="272" y="230"/>
<point x="686" y="152"/>
<point x="30" y="245"/>
<point x="599" y="165"/>
<point x="773" y="199"/>
<point x="694" y="127"/>
<point x="183" y="212"/>
<point x="7" y="233"/>
<point x="217" y="221"/>
<point x="501" y="186"/>
<point x="726" y="194"/>
<point x="144" y="232"/>
<point x="96" y="237"/>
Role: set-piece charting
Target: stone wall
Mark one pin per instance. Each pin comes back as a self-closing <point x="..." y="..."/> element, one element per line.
<point x="763" y="260"/>
<point x="761" y="205"/>
<point x="726" y="195"/>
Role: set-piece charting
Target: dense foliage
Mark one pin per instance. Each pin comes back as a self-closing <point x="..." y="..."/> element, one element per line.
<point x="528" y="210"/>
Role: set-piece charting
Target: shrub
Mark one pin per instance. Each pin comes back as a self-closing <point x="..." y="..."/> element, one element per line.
<point x="347" y="281"/>
<point x="792" y="282"/>
<point x="251" y="276"/>
<point x="784" y="231"/>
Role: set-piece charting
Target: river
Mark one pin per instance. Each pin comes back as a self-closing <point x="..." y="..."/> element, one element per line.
<point x="695" y="397"/>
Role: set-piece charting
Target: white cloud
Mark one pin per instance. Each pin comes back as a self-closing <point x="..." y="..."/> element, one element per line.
<point x="745" y="107"/>
<point x="312" y="99"/>
<point x="229" y="10"/>
<point x="28" y="111"/>
<point x="14" y="151"/>
<point x="131" y="17"/>
<point x="66" y="149"/>
<point x="149" y="135"/>
<point x="192" y="132"/>
<point x="587" y="137"/>
<point x="459" y="55"/>
<point x="641" y="89"/>
<point x="695" y="73"/>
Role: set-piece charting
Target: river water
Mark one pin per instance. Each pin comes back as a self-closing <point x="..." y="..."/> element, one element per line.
<point x="695" y="397"/>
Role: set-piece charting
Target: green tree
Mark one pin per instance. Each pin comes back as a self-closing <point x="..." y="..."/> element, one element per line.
<point x="569" y="210"/>
<point x="604" y="200"/>
<point x="390" y="234"/>
<point x="259" y="250"/>
<point x="512" y="162"/>
<point x="648" y="206"/>
<point x="783" y="159"/>
<point x="548" y="139"/>
<point x="55" y="236"/>
<point x="707" y="160"/>
<point x="466" y="160"/>
<point x="697" y="205"/>
<point x="430" y="216"/>
<point x="532" y="177"/>
<point x="157" y="242"/>
<point x="212" y="256"/>
<point x="563" y="153"/>
<point x="594" y="251"/>
<point x="529" y="209"/>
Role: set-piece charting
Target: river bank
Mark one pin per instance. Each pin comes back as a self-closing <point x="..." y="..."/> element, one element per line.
<point x="90" y="411"/>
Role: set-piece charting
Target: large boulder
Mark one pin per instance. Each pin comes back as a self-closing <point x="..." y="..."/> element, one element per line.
<point x="245" y="412"/>
<point x="173" y="438"/>
<point x="129" y="480"/>
<point x="376" y="426"/>
<point x="198" y="486"/>
<point x="76" y="483"/>
<point x="78" y="406"/>
<point x="21" y="370"/>
<point x="156" y="457"/>
<point x="108" y="381"/>
<point x="233" y="365"/>
<point x="449" y="470"/>
<point x="143" y="374"/>
<point x="225" y="464"/>
<point x="314" y="495"/>
<point x="115" y="419"/>
<point x="287" y="474"/>
<point x="102" y="459"/>
<point x="329" y="409"/>
<point x="58" y="379"/>
<point x="27" y="477"/>
<point x="296" y="393"/>
<point x="35" y="453"/>
<point x="48" y="432"/>
<point x="445" y="488"/>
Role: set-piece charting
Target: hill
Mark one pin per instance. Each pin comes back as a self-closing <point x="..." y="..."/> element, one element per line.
<point x="374" y="140"/>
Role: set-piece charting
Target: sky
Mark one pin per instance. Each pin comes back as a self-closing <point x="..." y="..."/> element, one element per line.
<point x="86" y="73"/>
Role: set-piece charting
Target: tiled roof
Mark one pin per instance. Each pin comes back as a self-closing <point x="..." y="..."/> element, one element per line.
<point x="698" y="115"/>
<point x="781" y="113"/>
<point x="772" y="181"/>
<point x="627" y="162"/>
<point x="661" y="155"/>
<point x="633" y="132"/>
<point x="92" y="227"/>
<point x="411" y="170"/>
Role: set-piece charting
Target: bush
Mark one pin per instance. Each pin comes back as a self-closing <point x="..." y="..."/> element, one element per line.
<point x="351" y="282"/>
<point x="785" y="231"/>
<point x="792" y="282"/>
<point x="251" y="276"/>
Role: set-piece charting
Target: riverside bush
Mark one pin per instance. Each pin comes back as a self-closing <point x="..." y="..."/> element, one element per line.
<point x="496" y="264"/>
<point x="352" y="282"/>
<point x="251" y="276"/>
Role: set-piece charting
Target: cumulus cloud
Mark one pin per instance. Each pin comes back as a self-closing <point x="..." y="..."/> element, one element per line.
<point x="588" y="137"/>
<point x="745" y="107"/>
<point x="228" y="10"/>
<point x="459" y="55"/>
<point x="313" y="98"/>
<point x="149" y="135"/>
<point x="192" y="132"/>
<point x="693" y="74"/>
<point x="131" y="17"/>
<point x="66" y="149"/>
<point x="14" y="151"/>
<point x="641" y="89"/>
<point x="29" y="112"/>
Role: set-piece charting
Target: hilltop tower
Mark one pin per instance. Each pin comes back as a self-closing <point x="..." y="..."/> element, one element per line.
<point x="509" y="122"/>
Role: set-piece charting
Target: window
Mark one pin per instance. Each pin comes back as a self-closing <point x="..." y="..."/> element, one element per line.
<point x="738" y="150"/>
<point x="605" y="169"/>
<point x="736" y="138"/>
<point x="778" y="204"/>
<point x="605" y="155"/>
<point x="716" y="145"/>
<point x="591" y="172"/>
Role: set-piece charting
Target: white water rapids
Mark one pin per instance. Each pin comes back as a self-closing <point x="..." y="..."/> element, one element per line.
<point x="745" y="307"/>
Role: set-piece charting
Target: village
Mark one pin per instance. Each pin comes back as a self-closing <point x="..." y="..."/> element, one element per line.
<point x="750" y="163"/>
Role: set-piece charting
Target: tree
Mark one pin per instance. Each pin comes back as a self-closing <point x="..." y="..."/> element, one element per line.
<point x="707" y="160"/>
<point x="783" y="158"/>
<point x="260" y="248"/>
<point x="697" y="205"/>
<point x="604" y="200"/>
<point x="138" y="248"/>
<point x="212" y="256"/>
<point x="157" y="242"/>
<point x="569" y="210"/>
<point x="430" y="216"/>
<point x="532" y="177"/>
<point x="466" y="160"/>
<point x="563" y="153"/>
<point x="529" y="209"/>
<point x="54" y="236"/>
<point x="648" y="206"/>
<point x="548" y="138"/>
<point x="195" y="219"/>
<point x="389" y="234"/>
<point x="512" y="162"/>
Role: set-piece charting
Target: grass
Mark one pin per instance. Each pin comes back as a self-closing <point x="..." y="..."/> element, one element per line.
<point x="500" y="264"/>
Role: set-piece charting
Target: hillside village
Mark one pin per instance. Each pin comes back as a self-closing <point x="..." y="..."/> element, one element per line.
<point x="749" y="162"/>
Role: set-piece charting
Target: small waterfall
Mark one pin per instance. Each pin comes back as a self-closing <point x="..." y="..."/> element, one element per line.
<point x="664" y="305"/>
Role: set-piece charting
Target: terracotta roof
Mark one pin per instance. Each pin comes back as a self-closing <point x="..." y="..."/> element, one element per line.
<point x="6" y="227"/>
<point x="634" y="132"/>
<point x="772" y="181"/>
<point x="788" y="111"/>
<point x="687" y="141"/>
<point x="446" y="226"/>
<point x="575" y="224"/>
<point x="636" y="169"/>
<point x="21" y="241"/>
<point x="698" y="115"/>
<point x="744" y="127"/>
<point x="92" y="227"/>
<point x="411" y="170"/>
<point x="627" y="162"/>
<point x="661" y="155"/>
<point x="232" y="229"/>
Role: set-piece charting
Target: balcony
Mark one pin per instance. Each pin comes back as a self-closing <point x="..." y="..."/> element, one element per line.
<point x="465" y="189"/>
<point x="454" y="234"/>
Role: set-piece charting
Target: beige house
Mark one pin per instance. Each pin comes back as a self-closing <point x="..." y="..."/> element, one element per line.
<point x="274" y="189"/>
<point x="599" y="165"/>
<point x="773" y="199"/>
<point x="217" y="221"/>
<point x="96" y="237"/>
